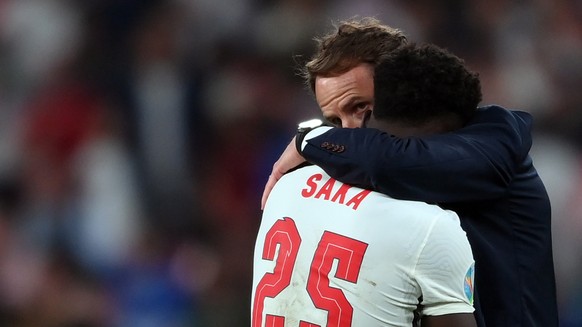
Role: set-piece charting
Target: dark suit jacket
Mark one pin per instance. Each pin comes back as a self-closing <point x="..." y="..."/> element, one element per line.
<point x="484" y="173"/>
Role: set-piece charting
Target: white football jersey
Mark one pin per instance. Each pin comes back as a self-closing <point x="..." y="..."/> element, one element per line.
<point x="328" y="254"/>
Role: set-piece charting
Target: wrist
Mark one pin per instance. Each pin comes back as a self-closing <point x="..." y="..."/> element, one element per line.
<point x="302" y="129"/>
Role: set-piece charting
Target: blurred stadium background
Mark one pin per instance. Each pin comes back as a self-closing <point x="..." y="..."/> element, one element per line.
<point x="136" y="137"/>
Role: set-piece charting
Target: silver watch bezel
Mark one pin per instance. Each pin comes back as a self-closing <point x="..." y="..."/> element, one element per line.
<point x="310" y="124"/>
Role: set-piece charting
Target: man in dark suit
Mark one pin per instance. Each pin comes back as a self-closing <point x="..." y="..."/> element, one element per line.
<point x="482" y="171"/>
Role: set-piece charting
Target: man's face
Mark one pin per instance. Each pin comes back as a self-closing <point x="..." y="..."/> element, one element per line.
<point x="347" y="98"/>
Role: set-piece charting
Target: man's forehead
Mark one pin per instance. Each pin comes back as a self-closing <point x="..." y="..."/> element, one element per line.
<point x="357" y="77"/>
<point x="362" y="70"/>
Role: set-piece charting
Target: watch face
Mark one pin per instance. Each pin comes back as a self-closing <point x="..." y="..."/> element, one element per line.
<point x="311" y="123"/>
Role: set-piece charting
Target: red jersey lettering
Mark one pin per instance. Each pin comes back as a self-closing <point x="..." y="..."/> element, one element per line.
<point x="358" y="198"/>
<point x="326" y="190"/>
<point x="312" y="185"/>
<point x="340" y="195"/>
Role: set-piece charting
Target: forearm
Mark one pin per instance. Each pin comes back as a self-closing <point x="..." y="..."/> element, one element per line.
<point x="442" y="168"/>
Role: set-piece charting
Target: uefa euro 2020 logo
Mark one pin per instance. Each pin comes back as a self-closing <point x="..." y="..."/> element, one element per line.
<point x="469" y="278"/>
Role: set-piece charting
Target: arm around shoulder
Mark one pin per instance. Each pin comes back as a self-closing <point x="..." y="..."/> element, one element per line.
<point x="475" y="162"/>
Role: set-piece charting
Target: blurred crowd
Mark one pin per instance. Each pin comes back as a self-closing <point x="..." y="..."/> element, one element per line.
<point x="136" y="137"/>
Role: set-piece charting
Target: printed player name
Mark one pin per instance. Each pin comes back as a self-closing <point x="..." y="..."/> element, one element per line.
<point x="326" y="192"/>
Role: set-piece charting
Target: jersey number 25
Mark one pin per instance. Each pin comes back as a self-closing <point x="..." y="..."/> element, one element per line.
<point x="349" y="254"/>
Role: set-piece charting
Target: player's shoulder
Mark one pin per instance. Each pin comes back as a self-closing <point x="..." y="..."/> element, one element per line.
<point x="304" y="170"/>
<point x="299" y="175"/>
<point x="296" y="179"/>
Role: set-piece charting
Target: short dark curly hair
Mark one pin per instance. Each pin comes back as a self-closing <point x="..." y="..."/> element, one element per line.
<point x="415" y="84"/>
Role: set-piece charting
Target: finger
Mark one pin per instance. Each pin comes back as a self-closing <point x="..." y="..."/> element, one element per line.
<point x="268" y="187"/>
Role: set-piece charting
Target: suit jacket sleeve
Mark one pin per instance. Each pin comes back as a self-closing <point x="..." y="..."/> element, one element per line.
<point x="476" y="162"/>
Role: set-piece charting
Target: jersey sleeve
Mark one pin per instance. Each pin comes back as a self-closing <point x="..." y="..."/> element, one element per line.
<point x="476" y="162"/>
<point x="445" y="269"/>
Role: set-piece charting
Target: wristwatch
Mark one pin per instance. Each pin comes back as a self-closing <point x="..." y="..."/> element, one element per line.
<point x="305" y="127"/>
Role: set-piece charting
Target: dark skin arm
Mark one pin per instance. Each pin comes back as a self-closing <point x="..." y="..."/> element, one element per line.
<point x="452" y="320"/>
